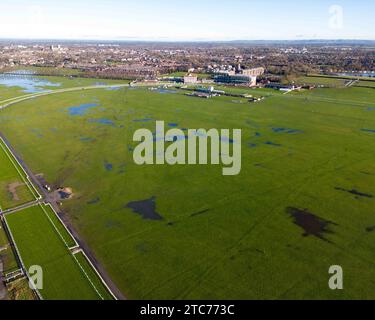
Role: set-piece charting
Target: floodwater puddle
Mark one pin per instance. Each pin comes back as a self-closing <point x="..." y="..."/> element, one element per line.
<point x="103" y="121"/>
<point x="143" y="120"/>
<point x="227" y="140"/>
<point x="27" y="82"/>
<point x="108" y="166"/>
<point x="63" y="193"/>
<point x="166" y="91"/>
<point x="145" y="208"/>
<point x="270" y="143"/>
<point x="310" y="223"/>
<point x="86" y="139"/>
<point x="82" y="109"/>
<point x="286" y="130"/>
<point x="113" y="88"/>
<point x="37" y="132"/>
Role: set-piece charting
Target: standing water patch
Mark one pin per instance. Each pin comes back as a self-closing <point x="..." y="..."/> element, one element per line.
<point x="82" y="109"/>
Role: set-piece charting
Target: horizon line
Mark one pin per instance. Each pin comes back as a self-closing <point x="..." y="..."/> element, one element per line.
<point x="162" y="40"/>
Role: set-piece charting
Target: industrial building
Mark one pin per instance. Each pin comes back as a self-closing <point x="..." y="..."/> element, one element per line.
<point x="255" y="72"/>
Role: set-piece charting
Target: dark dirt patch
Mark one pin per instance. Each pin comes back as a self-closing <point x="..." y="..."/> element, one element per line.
<point x="199" y="213"/>
<point x="145" y="208"/>
<point x="368" y="130"/>
<point x="286" y="130"/>
<point x="366" y="173"/>
<point x="356" y="193"/>
<point x="310" y="223"/>
<point x="370" y="229"/>
<point x="12" y="188"/>
<point x="270" y="143"/>
<point x="94" y="201"/>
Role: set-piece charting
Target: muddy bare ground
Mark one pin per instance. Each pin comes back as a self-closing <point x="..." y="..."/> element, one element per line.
<point x="40" y="177"/>
<point x="61" y="194"/>
<point x="3" y="290"/>
<point x="12" y="188"/>
<point x="310" y="223"/>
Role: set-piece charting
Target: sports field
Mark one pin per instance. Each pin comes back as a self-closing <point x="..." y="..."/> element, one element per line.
<point x="304" y="199"/>
<point x="15" y="188"/>
<point x="41" y="242"/>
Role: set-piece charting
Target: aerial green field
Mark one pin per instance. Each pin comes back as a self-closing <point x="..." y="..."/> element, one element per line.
<point x="304" y="199"/>
<point x="335" y="81"/>
<point x="40" y="244"/>
<point x="330" y="82"/>
<point x="14" y="186"/>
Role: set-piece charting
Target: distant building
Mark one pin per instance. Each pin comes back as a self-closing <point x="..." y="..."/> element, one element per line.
<point x="55" y="48"/>
<point x="236" y="79"/>
<point x="190" y="79"/>
<point x="255" y="72"/>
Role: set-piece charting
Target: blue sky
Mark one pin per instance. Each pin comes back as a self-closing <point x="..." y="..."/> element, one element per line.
<point x="187" y="20"/>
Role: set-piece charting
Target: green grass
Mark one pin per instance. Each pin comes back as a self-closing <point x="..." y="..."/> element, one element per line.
<point x="6" y="253"/>
<point x="63" y="233"/>
<point x="245" y="244"/>
<point x="93" y="276"/>
<point x="335" y="81"/>
<point x="330" y="82"/>
<point x="40" y="244"/>
<point x="14" y="186"/>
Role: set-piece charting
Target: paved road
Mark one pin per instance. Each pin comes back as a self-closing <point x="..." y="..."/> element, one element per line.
<point x="21" y="207"/>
